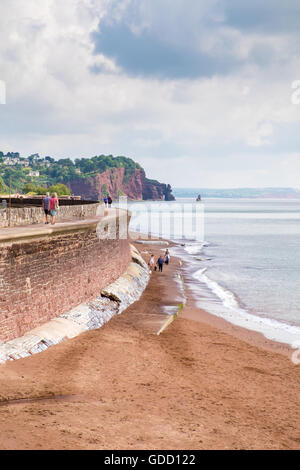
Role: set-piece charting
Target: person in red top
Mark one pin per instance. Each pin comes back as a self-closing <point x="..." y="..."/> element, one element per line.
<point x="53" y="207"/>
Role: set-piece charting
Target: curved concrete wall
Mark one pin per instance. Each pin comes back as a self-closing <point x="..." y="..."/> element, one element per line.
<point x="46" y="271"/>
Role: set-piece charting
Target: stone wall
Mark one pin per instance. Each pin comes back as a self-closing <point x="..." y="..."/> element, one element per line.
<point x="35" y="215"/>
<point x="41" y="278"/>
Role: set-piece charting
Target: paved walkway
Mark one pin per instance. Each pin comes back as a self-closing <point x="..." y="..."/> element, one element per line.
<point x="14" y="233"/>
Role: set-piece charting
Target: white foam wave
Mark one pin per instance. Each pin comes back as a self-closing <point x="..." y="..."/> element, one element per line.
<point x="235" y="314"/>
<point x="195" y="248"/>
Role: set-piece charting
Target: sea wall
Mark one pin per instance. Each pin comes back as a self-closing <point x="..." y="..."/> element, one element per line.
<point x="112" y="300"/>
<point x="35" y="215"/>
<point x="44" y="275"/>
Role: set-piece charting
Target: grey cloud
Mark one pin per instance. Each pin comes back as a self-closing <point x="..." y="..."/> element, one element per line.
<point x="262" y="54"/>
<point x="146" y="54"/>
<point x="166" y="39"/>
<point x="263" y="16"/>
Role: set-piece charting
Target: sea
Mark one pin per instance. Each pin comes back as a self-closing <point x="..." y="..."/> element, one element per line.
<point x="242" y="257"/>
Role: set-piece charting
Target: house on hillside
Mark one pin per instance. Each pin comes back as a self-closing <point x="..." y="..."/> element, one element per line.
<point x="11" y="158"/>
<point x="34" y="157"/>
<point x="24" y="162"/>
<point x="34" y="173"/>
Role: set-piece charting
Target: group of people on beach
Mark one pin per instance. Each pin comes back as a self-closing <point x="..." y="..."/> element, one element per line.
<point x="107" y="201"/>
<point x="50" y="207"/>
<point x="161" y="260"/>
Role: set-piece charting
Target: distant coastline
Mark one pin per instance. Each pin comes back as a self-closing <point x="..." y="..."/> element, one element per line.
<point x="280" y="193"/>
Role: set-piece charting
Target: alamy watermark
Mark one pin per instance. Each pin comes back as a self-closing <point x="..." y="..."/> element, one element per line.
<point x="296" y="354"/>
<point x="295" y="98"/>
<point x="2" y="92"/>
<point x="175" y="221"/>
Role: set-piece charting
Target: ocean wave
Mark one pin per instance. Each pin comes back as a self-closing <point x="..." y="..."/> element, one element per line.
<point x="233" y="312"/>
<point x="195" y="248"/>
<point x="226" y="296"/>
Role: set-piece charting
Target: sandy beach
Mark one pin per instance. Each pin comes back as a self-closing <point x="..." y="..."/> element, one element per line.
<point x="201" y="384"/>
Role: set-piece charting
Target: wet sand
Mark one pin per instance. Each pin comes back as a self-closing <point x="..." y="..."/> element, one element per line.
<point x="201" y="384"/>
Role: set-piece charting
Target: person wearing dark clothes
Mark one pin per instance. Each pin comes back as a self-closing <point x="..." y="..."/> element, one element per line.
<point x="160" y="263"/>
<point x="109" y="200"/>
<point x="46" y="207"/>
<point x="167" y="256"/>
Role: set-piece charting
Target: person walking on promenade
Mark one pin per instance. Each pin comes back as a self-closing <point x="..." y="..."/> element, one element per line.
<point x="151" y="263"/>
<point x="160" y="263"/>
<point x="54" y="205"/>
<point x="105" y="201"/>
<point x="109" y="200"/>
<point x="167" y="256"/>
<point x="46" y="207"/>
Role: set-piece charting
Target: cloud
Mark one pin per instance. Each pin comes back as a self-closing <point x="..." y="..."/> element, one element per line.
<point x="145" y="54"/>
<point x="182" y="39"/>
<point x="267" y="16"/>
<point x="187" y="91"/>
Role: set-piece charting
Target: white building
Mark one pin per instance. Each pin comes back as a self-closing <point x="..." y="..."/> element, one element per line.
<point x="8" y="161"/>
<point x="34" y="173"/>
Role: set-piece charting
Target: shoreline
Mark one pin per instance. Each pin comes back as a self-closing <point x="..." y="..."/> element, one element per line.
<point x="123" y="387"/>
<point x="256" y="338"/>
<point x="196" y="313"/>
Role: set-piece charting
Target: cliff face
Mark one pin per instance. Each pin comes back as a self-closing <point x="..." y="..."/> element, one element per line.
<point x="116" y="182"/>
<point x="157" y="191"/>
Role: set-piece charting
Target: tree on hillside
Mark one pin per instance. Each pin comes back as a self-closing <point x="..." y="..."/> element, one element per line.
<point x="105" y="190"/>
<point x="3" y="187"/>
<point x="60" y="189"/>
<point x="41" y="190"/>
<point x="29" y="188"/>
<point x="65" y="162"/>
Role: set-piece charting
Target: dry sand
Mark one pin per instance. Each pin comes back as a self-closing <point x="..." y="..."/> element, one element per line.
<point x="199" y="385"/>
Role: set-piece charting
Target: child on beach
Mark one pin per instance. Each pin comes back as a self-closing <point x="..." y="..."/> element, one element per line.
<point x="151" y="263"/>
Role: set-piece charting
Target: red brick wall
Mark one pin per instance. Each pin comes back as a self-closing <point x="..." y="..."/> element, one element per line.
<point x="43" y="278"/>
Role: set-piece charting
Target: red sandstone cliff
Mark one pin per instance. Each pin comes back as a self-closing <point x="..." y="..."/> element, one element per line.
<point x="115" y="182"/>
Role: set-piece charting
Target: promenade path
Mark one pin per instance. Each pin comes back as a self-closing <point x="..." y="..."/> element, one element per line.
<point x="35" y="230"/>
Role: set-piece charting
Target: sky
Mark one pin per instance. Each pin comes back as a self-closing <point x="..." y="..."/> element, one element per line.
<point x="200" y="93"/>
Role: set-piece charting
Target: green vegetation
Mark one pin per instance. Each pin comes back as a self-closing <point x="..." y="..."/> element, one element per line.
<point x="60" y="189"/>
<point x="51" y="172"/>
<point x="34" y="189"/>
<point x="105" y="190"/>
<point x="120" y="193"/>
<point x="31" y="189"/>
<point x="3" y="187"/>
